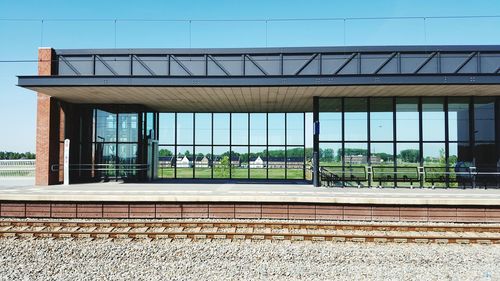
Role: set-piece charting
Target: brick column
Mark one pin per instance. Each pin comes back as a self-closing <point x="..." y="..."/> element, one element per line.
<point x="49" y="125"/>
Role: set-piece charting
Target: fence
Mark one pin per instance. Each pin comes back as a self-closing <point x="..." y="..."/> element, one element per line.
<point x="17" y="168"/>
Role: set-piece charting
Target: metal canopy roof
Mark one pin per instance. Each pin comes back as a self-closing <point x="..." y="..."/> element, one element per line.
<point x="103" y="74"/>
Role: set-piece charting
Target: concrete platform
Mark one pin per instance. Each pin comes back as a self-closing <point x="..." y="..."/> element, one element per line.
<point x="24" y="189"/>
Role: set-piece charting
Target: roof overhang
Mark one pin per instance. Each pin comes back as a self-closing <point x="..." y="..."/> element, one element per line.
<point x="243" y="94"/>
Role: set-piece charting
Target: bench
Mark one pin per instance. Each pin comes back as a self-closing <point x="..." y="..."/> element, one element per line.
<point x="355" y="174"/>
<point x="382" y="174"/>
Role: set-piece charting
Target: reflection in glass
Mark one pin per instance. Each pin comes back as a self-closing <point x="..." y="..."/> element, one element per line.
<point x="105" y="126"/>
<point x="258" y="127"/>
<point x="484" y="119"/>
<point x="221" y="162"/>
<point x="221" y="128"/>
<point x="106" y="159"/>
<point x="458" y="119"/>
<point x="382" y="154"/>
<point x="203" y="162"/>
<point x="166" y="161"/>
<point x="382" y="161"/>
<point x="330" y="154"/>
<point x="276" y="162"/>
<point x="407" y="119"/>
<point x="239" y="162"/>
<point x="434" y="154"/>
<point x="459" y="152"/>
<point x="184" y="128"/>
<point x="355" y="154"/>
<point x="257" y="162"/>
<point x="355" y="119"/>
<point x="203" y="131"/>
<point x="127" y="158"/>
<point x="184" y="162"/>
<point x="433" y="119"/>
<point x="408" y="154"/>
<point x="167" y="128"/>
<point x="239" y="128"/>
<point x="295" y="128"/>
<point x="127" y="127"/>
<point x="295" y="162"/>
<point x="408" y="159"/>
<point x="381" y="119"/>
<point x="330" y="119"/>
<point x="276" y="123"/>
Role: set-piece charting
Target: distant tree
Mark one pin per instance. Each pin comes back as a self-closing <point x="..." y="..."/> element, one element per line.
<point x="409" y="155"/>
<point x="223" y="168"/>
<point x="9" y="155"/>
<point x="165" y="152"/>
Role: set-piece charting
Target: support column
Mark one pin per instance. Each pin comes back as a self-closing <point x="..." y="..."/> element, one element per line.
<point x="316" y="173"/>
<point x="49" y="125"/>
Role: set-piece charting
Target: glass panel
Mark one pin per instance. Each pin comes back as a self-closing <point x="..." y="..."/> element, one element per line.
<point x="433" y="119"/>
<point x="167" y="128"/>
<point x="105" y="126"/>
<point x="106" y="159"/>
<point x="382" y="161"/>
<point x="258" y="127"/>
<point x="184" y="128"/>
<point x="408" y="159"/>
<point x="295" y="128"/>
<point x="434" y="154"/>
<point x="239" y="128"/>
<point x="221" y="128"/>
<point x="150" y="125"/>
<point x="276" y="162"/>
<point x="166" y="161"/>
<point x="435" y="164"/>
<point x="330" y="154"/>
<point x="127" y="157"/>
<point x="407" y="124"/>
<point x="408" y="154"/>
<point x="458" y="119"/>
<point x="203" y="162"/>
<point x="485" y="155"/>
<point x="355" y="119"/>
<point x="239" y="162"/>
<point x="355" y="162"/>
<point x="221" y="162"/>
<point x="330" y="119"/>
<point x="203" y="128"/>
<point x="127" y="127"/>
<point x="295" y="162"/>
<point x="184" y="162"/>
<point x="276" y="123"/>
<point x="258" y="162"/>
<point x="460" y="152"/>
<point x="484" y="118"/>
<point x="381" y="119"/>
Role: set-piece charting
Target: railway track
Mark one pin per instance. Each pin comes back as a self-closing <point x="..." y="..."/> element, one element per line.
<point x="245" y="230"/>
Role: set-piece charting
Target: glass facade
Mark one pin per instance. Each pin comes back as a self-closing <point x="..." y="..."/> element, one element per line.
<point x="407" y="141"/>
<point x="232" y="146"/>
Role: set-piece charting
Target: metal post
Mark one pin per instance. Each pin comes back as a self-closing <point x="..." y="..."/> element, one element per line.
<point x="66" y="162"/>
<point x="316" y="175"/>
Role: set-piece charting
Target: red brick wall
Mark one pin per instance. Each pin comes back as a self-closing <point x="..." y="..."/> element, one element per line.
<point x="129" y="210"/>
<point x="49" y="126"/>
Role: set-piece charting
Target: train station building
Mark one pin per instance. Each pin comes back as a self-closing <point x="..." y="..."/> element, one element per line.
<point x="377" y="116"/>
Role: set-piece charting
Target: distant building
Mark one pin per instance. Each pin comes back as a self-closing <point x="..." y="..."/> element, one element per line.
<point x="184" y="162"/>
<point x="202" y="162"/>
<point x="235" y="160"/>
<point x="166" y="161"/>
<point x="361" y="160"/>
<point x="277" y="162"/>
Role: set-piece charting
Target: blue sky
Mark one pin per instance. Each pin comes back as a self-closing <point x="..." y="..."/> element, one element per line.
<point x="22" y="37"/>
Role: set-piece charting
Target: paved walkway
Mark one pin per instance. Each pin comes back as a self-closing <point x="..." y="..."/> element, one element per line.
<point x="24" y="189"/>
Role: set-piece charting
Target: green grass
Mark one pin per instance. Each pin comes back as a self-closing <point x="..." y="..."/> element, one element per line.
<point x="237" y="173"/>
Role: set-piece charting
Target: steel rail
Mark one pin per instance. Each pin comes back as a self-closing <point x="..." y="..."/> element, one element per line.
<point x="254" y="224"/>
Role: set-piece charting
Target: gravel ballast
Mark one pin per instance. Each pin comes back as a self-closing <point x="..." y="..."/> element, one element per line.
<point x="47" y="259"/>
